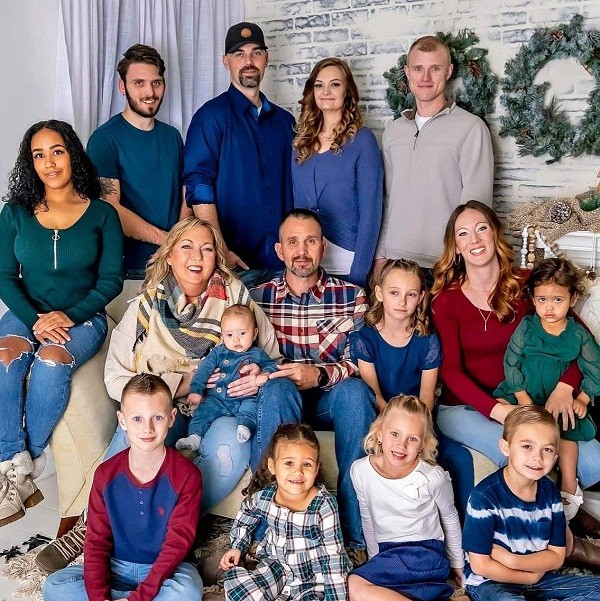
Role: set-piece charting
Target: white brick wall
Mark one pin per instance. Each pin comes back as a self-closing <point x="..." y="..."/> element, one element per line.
<point x="371" y="34"/>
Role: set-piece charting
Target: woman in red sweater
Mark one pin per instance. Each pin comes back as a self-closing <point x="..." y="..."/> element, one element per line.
<point x="478" y="304"/>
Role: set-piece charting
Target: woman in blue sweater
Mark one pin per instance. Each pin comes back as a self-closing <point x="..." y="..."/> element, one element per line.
<point x="337" y="170"/>
<point x="60" y="264"/>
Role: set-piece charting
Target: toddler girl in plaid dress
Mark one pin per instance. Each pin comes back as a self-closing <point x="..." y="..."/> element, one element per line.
<point x="302" y="553"/>
<point x="409" y="521"/>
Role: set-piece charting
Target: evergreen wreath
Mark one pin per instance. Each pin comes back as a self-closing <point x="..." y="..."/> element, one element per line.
<point x="540" y="129"/>
<point x="479" y="83"/>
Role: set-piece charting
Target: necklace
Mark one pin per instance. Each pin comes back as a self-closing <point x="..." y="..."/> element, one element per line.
<point x="485" y="319"/>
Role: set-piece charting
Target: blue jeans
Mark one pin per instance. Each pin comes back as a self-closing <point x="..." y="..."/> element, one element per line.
<point x="49" y="384"/>
<point x="462" y="425"/>
<point x="279" y="402"/>
<point x="256" y="277"/>
<point x="67" y="584"/>
<point x="214" y="406"/>
<point x="552" y="587"/>
<point x="349" y="410"/>
<point x="222" y="459"/>
<point x="472" y="429"/>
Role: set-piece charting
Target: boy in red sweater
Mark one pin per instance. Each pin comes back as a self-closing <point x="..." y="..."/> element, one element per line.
<point x="143" y="513"/>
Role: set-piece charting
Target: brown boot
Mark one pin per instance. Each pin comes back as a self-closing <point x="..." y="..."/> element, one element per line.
<point x="584" y="555"/>
<point x="585" y="524"/>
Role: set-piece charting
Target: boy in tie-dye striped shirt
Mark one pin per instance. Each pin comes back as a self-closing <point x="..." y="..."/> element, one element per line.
<point x="515" y="530"/>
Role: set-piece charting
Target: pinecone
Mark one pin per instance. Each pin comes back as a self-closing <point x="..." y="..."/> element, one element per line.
<point x="525" y="133"/>
<point x="557" y="35"/>
<point x="559" y="212"/>
<point x="475" y="69"/>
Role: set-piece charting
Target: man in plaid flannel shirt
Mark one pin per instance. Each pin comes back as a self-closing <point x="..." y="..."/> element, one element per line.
<point x="313" y="315"/>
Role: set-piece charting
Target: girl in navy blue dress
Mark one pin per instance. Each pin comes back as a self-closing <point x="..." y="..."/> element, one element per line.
<point x="397" y="352"/>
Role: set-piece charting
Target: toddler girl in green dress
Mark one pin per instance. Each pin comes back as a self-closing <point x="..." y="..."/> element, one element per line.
<point x="540" y="350"/>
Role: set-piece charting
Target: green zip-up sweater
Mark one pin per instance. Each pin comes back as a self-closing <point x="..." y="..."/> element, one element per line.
<point x="76" y="270"/>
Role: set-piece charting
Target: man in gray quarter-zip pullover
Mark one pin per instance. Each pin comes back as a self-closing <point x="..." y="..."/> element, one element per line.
<point x="436" y="157"/>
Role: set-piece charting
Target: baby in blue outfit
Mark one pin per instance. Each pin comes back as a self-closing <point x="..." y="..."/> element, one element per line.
<point x="238" y="333"/>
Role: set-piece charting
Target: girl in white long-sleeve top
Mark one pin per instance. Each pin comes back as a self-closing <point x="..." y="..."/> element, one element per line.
<point x="409" y="520"/>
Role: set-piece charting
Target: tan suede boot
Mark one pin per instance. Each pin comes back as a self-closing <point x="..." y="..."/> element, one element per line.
<point x="18" y="473"/>
<point x="11" y="508"/>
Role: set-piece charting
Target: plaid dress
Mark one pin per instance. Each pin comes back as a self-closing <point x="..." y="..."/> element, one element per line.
<point x="301" y="556"/>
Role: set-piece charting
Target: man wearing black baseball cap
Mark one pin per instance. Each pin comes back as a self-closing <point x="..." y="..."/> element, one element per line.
<point x="237" y="160"/>
<point x="244" y="33"/>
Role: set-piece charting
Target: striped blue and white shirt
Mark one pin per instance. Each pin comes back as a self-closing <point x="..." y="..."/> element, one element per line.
<point x="496" y="516"/>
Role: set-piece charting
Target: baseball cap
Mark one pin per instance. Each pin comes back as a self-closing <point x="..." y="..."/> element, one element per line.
<point x="243" y="33"/>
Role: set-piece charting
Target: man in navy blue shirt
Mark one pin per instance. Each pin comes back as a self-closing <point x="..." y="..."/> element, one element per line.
<point x="237" y="160"/>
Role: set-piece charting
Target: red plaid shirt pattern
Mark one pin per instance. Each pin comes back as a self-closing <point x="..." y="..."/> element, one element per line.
<point x="314" y="327"/>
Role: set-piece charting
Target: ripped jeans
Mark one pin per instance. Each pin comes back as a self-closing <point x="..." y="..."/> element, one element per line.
<point x="49" y="385"/>
<point x="221" y="459"/>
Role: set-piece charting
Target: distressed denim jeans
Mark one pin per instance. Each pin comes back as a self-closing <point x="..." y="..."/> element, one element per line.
<point x="46" y="395"/>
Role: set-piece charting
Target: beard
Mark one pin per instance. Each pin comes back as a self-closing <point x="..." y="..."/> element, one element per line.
<point x="141" y="109"/>
<point x="303" y="272"/>
<point x="249" y="78"/>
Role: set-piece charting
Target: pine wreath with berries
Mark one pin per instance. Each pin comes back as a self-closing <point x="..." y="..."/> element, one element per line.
<point x="540" y="129"/>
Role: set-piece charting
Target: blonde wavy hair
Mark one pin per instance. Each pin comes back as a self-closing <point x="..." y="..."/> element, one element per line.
<point x="310" y="122"/>
<point x="450" y="270"/>
<point x="157" y="268"/>
<point x="413" y="406"/>
<point x="421" y="319"/>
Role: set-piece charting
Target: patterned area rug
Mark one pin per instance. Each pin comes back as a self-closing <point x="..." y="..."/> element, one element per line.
<point x="213" y="530"/>
<point x="212" y="542"/>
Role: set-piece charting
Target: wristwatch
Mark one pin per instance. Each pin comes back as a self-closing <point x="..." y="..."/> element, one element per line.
<point x="323" y="377"/>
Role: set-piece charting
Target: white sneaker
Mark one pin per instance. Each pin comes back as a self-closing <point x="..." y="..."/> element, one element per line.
<point x="243" y="433"/>
<point x="189" y="443"/>
<point x="11" y="508"/>
<point x="573" y="502"/>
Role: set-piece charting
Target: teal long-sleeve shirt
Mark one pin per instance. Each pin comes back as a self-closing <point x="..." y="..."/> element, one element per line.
<point x="76" y="270"/>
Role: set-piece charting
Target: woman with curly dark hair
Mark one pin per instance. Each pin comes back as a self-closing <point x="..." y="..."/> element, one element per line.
<point x="337" y="170"/>
<point x="60" y="264"/>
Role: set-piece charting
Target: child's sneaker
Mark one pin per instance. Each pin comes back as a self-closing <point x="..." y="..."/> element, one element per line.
<point x="62" y="551"/>
<point x="189" y="443"/>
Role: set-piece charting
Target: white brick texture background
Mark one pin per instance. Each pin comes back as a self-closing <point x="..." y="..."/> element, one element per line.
<point x="372" y="34"/>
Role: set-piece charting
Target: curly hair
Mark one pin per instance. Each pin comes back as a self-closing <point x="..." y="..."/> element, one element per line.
<point x="413" y="406"/>
<point x="450" y="270"/>
<point x="300" y="433"/>
<point x="157" y="268"/>
<point x="310" y="122"/>
<point x="421" y="318"/>
<point x="556" y="271"/>
<point x="27" y="190"/>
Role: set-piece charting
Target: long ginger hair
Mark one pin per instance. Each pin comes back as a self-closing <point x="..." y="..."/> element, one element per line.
<point x="450" y="270"/>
